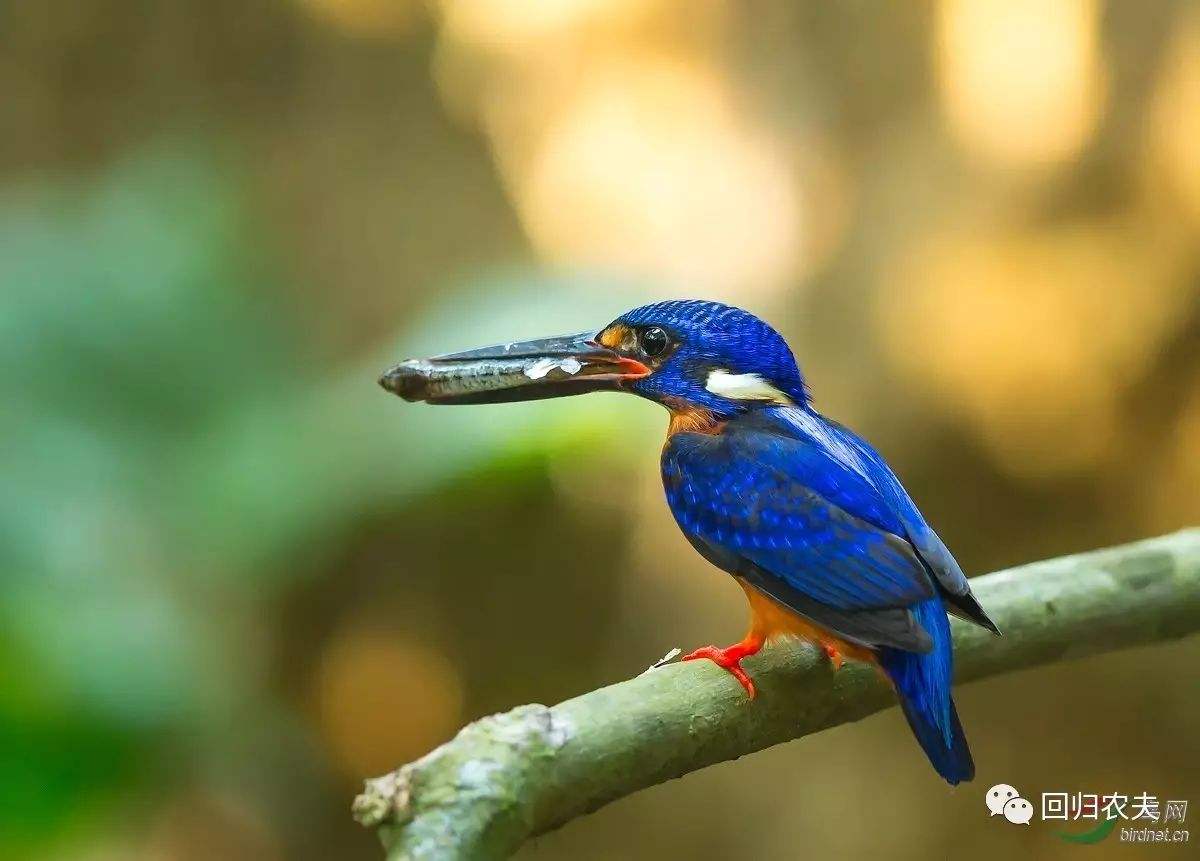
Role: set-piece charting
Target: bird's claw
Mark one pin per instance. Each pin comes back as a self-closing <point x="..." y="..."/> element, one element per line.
<point x="835" y="657"/>
<point x="728" y="659"/>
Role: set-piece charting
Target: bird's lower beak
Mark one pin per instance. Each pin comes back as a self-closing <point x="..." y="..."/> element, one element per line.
<point x="518" y="371"/>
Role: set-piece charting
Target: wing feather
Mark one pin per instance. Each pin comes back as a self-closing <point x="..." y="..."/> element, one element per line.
<point x="735" y="495"/>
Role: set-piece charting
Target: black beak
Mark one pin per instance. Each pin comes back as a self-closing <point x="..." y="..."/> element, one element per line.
<point x="518" y="371"/>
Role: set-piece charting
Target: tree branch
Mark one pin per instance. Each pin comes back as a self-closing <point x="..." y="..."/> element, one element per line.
<point x="511" y="776"/>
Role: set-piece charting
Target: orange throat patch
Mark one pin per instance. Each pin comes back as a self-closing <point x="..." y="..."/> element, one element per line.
<point x="687" y="418"/>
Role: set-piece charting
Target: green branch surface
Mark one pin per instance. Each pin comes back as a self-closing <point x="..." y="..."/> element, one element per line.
<point x="508" y="777"/>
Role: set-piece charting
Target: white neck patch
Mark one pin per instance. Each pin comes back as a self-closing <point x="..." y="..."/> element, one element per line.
<point x="744" y="387"/>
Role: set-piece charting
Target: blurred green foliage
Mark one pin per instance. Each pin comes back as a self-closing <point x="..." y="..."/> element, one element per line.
<point x="176" y="458"/>
<point x="129" y="333"/>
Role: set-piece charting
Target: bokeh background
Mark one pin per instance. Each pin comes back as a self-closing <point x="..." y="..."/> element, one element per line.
<point x="237" y="577"/>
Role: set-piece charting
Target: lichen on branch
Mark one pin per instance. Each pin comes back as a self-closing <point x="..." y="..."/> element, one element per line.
<point x="508" y="777"/>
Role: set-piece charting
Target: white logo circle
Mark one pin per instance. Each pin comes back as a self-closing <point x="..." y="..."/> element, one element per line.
<point x="998" y="796"/>
<point x="1018" y="811"/>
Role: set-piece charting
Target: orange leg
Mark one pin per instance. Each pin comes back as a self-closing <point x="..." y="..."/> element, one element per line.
<point x="768" y="620"/>
<point x="730" y="657"/>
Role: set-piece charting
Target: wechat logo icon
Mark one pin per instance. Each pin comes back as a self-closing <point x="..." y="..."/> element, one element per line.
<point x="1004" y="800"/>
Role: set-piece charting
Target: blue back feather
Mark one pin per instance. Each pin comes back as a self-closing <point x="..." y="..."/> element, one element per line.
<point x="809" y="513"/>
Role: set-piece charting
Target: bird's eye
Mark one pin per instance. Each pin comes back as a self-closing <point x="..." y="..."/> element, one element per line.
<point x="654" y="340"/>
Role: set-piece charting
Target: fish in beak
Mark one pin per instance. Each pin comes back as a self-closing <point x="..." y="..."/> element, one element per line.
<point x="517" y="371"/>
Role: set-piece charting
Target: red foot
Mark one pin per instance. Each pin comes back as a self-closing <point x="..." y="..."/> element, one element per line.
<point x="730" y="658"/>
<point x="835" y="657"/>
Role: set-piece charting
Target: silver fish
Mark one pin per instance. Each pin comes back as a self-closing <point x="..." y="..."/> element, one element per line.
<point x="516" y="371"/>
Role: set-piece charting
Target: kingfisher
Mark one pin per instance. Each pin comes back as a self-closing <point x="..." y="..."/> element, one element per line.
<point x="804" y="513"/>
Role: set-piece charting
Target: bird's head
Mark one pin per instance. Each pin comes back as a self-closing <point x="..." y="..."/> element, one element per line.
<point x="685" y="354"/>
<point x="706" y="355"/>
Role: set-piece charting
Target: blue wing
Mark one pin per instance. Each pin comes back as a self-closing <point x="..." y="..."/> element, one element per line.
<point x="784" y="500"/>
<point x="856" y="454"/>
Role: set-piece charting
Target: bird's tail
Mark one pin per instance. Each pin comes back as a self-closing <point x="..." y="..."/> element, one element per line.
<point x="923" y="686"/>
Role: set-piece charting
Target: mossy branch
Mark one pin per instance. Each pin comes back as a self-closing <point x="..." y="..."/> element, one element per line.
<point x="508" y="777"/>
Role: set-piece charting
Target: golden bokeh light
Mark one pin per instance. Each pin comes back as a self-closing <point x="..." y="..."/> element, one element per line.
<point x="512" y="26"/>
<point x="1032" y="337"/>
<point x="383" y="699"/>
<point x="1175" y="119"/>
<point x="1021" y="81"/>
<point x="624" y="145"/>
<point x="506" y="66"/>
<point x="649" y="170"/>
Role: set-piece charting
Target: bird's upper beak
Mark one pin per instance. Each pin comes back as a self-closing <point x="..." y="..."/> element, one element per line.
<point x="517" y="371"/>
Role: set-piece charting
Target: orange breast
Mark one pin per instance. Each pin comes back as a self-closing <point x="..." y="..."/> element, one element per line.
<point x="771" y="620"/>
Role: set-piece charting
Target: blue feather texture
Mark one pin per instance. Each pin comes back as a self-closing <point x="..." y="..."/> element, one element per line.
<point x="774" y="500"/>
<point x="808" y="513"/>
<point x="923" y="685"/>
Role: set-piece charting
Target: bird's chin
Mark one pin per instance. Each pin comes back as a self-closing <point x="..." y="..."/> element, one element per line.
<point x="517" y="371"/>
